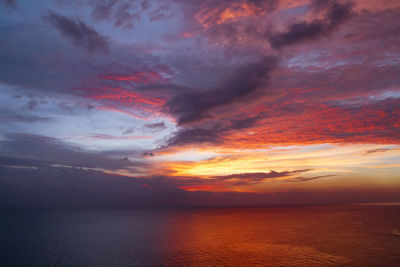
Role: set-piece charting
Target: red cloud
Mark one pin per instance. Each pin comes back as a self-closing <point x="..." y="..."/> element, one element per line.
<point x="377" y="122"/>
<point x="137" y="77"/>
<point x="124" y="96"/>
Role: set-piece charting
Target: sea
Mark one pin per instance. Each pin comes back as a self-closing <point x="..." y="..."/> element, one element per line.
<point x="354" y="235"/>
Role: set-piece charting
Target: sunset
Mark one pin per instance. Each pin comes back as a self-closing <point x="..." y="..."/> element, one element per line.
<point x="222" y="110"/>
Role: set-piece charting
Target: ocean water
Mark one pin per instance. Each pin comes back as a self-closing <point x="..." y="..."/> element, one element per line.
<point x="271" y="236"/>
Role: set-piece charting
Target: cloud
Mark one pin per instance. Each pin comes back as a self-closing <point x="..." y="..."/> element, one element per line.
<point x="253" y="178"/>
<point x="225" y="182"/>
<point x="58" y="188"/>
<point x="156" y="126"/>
<point x="101" y="12"/>
<point x="379" y="150"/>
<point x="260" y="175"/>
<point x="297" y="117"/>
<point x="195" y="135"/>
<point x="117" y="137"/>
<point x="10" y="3"/>
<point x="79" y="33"/>
<point x="336" y="13"/>
<point x="221" y="91"/>
<point x="212" y="13"/>
<point x="37" y="184"/>
<point x="195" y="105"/>
<point x="125" y="14"/>
<point x="10" y="116"/>
<point x="52" y="150"/>
<point x="305" y="179"/>
<point x="148" y="154"/>
<point x="145" y="4"/>
<point x="123" y="17"/>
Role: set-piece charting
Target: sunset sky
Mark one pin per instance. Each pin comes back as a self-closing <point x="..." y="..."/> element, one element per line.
<point x="199" y="102"/>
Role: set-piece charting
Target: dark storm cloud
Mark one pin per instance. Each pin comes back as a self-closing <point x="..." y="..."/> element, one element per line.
<point x="194" y="106"/>
<point x="336" y="14"/>
<point x="79" y="33"/>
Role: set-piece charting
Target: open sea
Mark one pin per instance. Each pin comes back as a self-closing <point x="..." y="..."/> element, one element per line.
<point x="270" y="236"/>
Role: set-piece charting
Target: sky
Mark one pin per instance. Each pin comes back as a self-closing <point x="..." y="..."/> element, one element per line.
<point x="150" y="103"/>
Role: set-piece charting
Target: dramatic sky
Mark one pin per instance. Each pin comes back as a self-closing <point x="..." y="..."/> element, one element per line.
<point x="199" y="102"/>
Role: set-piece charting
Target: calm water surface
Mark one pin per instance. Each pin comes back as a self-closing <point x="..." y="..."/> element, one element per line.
<point x="306" y="236"/>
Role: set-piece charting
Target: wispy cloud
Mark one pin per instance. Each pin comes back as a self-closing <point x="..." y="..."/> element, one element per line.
<point x="257" y="176"/>
<point x="379" y="150"/>
<point x="79" y="33"/>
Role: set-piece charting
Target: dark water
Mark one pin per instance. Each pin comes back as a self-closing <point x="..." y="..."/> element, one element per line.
<point x="308" y="236"/>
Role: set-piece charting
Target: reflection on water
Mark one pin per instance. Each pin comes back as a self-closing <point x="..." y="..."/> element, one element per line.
<point x="308" y="236"/>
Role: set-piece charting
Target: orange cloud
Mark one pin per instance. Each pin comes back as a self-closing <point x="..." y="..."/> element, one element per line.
<point x="217" y="16"/>
<point x="308" y="166"/>
<point x="187" y="34"/>
<point x="213" y="188"/>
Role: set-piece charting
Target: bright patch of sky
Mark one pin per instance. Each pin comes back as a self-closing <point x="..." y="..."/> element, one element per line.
<point x="76" y="122"/>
